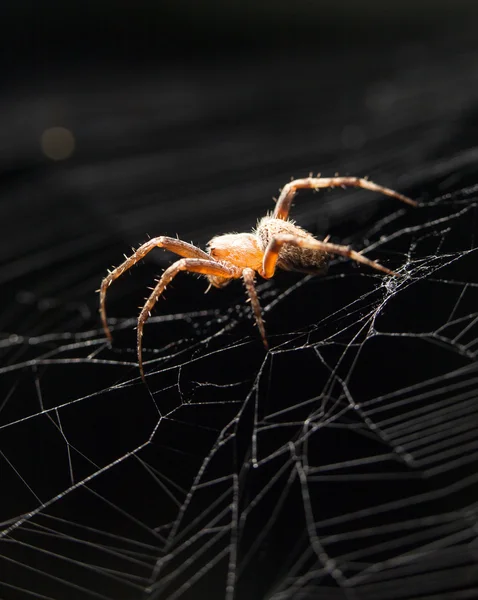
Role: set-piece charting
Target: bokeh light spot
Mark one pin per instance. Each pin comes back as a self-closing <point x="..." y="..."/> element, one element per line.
<point x="58" y="143"/>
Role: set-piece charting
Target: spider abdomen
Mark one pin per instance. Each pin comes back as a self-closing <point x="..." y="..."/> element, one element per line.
<point x="292" y="257"/>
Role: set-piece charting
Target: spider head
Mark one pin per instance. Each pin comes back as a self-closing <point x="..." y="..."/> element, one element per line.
<point x="238" y="249"/>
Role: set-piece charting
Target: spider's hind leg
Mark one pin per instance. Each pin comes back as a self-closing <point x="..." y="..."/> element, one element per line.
<point x="271" y="255"/>
<point x="314" y="183"/>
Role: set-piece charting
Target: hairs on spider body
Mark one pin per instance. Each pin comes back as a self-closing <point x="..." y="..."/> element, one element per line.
<point x="276" y="243"/>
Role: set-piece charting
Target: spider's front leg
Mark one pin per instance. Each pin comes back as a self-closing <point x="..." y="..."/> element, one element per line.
<point x="168" y="243"/>
<point x="271" y="255"/>
<point x="314" y="183"/>
<point x="193" y="265"/>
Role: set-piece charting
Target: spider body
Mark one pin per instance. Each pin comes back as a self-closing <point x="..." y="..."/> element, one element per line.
<point x="247" y="250"/>
<point x="276" y="243"/>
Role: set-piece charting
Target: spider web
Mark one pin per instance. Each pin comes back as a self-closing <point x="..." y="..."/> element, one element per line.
<point x="340" y="464"/>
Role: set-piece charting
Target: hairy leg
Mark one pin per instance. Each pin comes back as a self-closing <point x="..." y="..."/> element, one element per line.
<point x="248" y="276"/>
<point x="314" y="183"/>
<point x="193" y="265"/>
<point x="171" y="244"/>
<point x="271" y="254"/>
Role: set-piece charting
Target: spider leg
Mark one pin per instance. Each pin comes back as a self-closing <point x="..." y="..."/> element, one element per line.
<point x="290" y="189"/>
<point x="271" y="255"/>
<point x="248" y="276"/>
<point x="193" y="265"/>
<point x="168" y="243"/>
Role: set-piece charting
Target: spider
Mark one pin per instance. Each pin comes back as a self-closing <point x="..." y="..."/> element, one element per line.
<point x="277" y="242"/>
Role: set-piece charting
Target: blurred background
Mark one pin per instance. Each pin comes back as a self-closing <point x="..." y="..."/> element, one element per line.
<point x="121" y="121"/>
<point x="187" y="118"/>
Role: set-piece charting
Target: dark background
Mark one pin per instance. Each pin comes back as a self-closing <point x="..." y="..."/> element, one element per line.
<point x="186" y="120"/>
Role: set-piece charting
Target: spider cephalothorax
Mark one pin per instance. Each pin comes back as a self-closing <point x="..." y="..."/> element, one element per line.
<point x="276" y="243"/>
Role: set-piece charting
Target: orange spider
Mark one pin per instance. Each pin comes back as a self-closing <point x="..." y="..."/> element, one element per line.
<point x="276" y="243"/>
